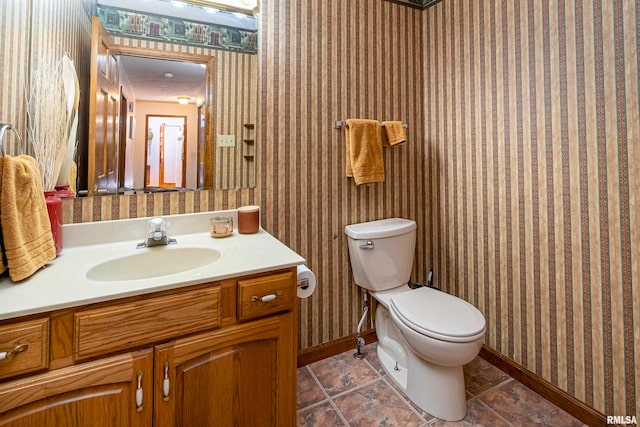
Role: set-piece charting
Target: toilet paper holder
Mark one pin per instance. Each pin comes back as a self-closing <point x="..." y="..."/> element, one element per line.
<point x="303" y="283"/>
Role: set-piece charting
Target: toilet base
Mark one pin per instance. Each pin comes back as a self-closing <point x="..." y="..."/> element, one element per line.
<point x="438" y="390"/>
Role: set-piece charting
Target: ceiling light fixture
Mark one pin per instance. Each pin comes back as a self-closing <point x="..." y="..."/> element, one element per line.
<point x="246" y="5"/>
<point x="183" y="100"/>
<point x="168" y="75"/>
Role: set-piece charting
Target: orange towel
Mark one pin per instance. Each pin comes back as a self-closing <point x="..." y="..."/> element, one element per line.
<point x="364" y="151"/>
<point x="393" y="133"/>
<point x="27" y="239"/>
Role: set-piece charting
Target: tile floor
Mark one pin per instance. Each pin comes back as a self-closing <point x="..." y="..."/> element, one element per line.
<point x="343" y="391"/>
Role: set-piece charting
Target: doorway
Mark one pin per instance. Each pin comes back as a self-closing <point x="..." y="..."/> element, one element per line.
<point x="165" y="160"/>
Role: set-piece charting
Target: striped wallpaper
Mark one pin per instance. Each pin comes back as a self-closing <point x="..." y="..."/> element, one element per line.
<point x="30" y="30"/>
<point x="86" y="209"/>
<point x="532" y="116"/>
<point x="14" y="72"/>
<point x="235" y="104"/>
<point x="324" y="60"/>
<point x="521" y="168"/>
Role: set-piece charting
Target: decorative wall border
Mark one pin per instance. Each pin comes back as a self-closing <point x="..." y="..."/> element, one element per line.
<point x="148" y="26"/>
<point x="420" y="4"/>
<point x="428" y="3"/>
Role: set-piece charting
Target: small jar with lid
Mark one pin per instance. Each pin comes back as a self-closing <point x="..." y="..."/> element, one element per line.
<point x="221" y="226"/>
<point x="248" y="219"/>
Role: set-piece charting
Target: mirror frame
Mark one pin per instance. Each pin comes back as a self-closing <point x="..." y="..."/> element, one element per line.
<point x="209" y="61"/>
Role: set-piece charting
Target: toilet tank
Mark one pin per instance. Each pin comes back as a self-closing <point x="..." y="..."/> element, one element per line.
<point x="381" y="252"/>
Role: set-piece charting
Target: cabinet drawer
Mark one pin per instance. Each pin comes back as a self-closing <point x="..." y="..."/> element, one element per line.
<point x="128" y="325"/>
<point x="261" y="296"/>
<point x="33" y="337"/>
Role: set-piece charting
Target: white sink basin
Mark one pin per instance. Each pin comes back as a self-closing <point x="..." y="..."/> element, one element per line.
<point x="153" y="262"/>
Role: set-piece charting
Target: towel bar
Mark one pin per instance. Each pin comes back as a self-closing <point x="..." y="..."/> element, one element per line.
<point x="337" y="124"/>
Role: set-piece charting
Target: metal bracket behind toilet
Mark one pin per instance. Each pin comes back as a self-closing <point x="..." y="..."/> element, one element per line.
<point x="359" y="340"/>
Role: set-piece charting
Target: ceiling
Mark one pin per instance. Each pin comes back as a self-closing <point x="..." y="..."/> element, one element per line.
<point x="147" y="80"/>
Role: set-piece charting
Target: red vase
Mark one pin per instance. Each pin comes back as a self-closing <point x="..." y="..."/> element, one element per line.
<point x="54" y="209"/>
<point x="63" y="192"/>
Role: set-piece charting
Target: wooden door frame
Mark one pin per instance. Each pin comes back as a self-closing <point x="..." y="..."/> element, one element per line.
<point x="99" y="36"/>
<point x="184" y="146"/>
<point x="200" y="149"/>
<point x="122" y="140"/>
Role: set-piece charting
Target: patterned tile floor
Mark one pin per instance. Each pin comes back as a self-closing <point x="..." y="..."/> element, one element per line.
<point x="343" y="391"/>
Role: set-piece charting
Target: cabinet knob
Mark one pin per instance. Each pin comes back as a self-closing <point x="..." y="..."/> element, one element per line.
<point x="165" y="383"/>
<point x="266" y="298"/>
<point x="139" y="393"/>
<point x="17" y="349"/>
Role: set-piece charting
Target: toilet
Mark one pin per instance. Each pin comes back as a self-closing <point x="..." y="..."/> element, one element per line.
<point x="424" y="335"/>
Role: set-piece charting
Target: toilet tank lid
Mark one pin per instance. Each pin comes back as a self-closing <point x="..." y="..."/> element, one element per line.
<point x="381" y="228"/>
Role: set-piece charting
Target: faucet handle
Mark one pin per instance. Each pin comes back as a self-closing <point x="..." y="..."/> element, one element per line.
<point x="157" y="224"/>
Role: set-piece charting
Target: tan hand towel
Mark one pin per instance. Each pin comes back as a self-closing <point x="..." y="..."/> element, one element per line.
<point x="393" y="133"/>
<point x="364" y="151"/>
<point x="3" y="256"/>
<point x="26" y="230"/>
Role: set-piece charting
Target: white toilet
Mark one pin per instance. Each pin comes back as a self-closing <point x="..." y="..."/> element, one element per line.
<point x="424" y="335"/>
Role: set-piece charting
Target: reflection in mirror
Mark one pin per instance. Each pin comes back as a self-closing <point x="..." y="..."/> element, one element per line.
<point x="112" y="103"/>
<point x="151" y="88"/>
<point x="165" y="162"/>
<point x="220" y="146"/>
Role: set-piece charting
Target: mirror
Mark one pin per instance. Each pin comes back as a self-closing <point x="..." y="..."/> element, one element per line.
<point x="219" y="154"/>
<point x="155" y="87"/>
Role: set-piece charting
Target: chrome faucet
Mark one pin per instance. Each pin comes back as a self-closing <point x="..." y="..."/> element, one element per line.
<point x="157" y="235"/>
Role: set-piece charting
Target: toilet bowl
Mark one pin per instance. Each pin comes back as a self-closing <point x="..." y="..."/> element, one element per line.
<point x="425" y="336"/>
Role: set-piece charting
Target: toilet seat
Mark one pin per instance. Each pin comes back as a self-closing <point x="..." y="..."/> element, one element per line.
<point x="438" y="315"/>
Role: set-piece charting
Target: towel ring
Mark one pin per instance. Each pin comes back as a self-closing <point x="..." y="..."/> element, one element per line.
<point x="4" y="127"/>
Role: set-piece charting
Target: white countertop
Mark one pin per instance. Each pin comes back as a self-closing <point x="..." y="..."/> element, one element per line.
<point x="63" y="283"/>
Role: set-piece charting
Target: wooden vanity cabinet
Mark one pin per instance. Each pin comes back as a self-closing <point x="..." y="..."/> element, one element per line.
<point x="239" y="376"/>
<point x="212" y="369"/>
<point x="99" y="393"/>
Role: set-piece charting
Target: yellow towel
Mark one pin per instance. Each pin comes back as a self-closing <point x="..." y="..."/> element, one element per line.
<point x="3" y="256"/>
<point x="364" y="151"/>
<point x="73" y="174"/>
<point x="393" y="133"/>
<point x="27" y="238"/>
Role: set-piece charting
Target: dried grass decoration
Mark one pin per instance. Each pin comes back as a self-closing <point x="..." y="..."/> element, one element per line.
<point x="47" y="119"/>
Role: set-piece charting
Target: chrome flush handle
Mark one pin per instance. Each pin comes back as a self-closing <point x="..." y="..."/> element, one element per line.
<point x="368" y="245"/>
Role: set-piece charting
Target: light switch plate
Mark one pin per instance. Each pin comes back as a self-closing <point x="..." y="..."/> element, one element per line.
<point x="226" y="140"/>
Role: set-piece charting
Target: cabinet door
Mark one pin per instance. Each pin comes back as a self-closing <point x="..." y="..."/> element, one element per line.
<point x="241" y="376"/>
<point x="100" y="393"/>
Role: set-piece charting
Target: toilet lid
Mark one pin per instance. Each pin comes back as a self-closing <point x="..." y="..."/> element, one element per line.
<point x="438" y="314"/>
